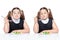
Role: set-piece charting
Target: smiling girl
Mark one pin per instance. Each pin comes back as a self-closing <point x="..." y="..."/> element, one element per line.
<point x="44" y="22"/>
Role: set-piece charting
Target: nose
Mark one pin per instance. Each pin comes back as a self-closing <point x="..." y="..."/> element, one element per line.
<point x="16" y="15"/>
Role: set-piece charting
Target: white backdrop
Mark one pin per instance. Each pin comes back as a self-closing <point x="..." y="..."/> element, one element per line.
<point x="30" y="7"/>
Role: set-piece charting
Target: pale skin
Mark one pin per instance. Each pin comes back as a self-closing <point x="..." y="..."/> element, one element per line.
<point x="44" y="15"/>
<point x="16" y="15"/>
<point x="6" y="25"/>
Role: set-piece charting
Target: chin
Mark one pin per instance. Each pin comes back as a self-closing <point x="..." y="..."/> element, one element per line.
<point x="44" y="18"/>
<point x="16" y="18"/>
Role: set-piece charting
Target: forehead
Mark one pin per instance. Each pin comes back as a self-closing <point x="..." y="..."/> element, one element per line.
<point x="43" y="10"/>
<point x="15" y="10"/>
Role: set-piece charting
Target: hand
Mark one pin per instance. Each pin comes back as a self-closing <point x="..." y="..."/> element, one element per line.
<point x="6" y="20"/>
<point x="35" y="19"/>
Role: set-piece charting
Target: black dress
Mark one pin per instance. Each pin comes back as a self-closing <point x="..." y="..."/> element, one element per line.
<point x="13" y="26"/>
<point x="47" y="26"/>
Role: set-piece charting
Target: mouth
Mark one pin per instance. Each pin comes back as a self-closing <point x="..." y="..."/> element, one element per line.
<point x="16" y="16"/>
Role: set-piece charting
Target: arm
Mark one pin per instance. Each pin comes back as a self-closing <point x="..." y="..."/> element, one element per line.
<point x="25" y="30"/>
<point x="6" y="25"/>
<point x="35" y="29"/>
<point x="54" y="30"/>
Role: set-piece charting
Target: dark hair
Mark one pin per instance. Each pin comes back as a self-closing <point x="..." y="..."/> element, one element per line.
<point x="21" y="12"/>
<point x="50" y="14"/>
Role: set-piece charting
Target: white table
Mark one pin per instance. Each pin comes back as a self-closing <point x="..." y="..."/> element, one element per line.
<point x="29" y="37"/>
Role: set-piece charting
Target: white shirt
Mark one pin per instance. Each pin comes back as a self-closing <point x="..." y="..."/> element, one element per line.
<point x="16" y="20"/>
<point x="45" y="21"/>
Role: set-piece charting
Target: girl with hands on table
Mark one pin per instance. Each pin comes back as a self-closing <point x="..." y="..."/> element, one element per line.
<point x="15" y="22"/>
<point x="44" y="22"/>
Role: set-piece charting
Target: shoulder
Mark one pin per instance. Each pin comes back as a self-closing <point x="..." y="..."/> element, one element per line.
<point x="51" y="20"/>
<point x="22" y="20"/>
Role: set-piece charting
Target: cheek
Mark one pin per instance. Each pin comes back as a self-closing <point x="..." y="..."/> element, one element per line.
<point x="41" y="16"/>
<point x="19" y="15"/>
<point x="14" y="15"/>
<point x="46" y="15"/>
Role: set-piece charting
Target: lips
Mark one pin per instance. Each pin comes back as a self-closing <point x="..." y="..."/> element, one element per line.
<point x="16" y="16"/>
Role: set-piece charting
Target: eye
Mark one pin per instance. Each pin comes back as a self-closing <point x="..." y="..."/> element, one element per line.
<point x="41" y="13"/>
<point x="14" y="13"/>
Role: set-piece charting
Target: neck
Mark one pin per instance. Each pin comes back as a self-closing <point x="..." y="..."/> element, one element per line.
<point x="15" y="20"/>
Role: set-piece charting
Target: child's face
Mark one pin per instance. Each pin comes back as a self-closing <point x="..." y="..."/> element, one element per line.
<point x="43" y="14"/>
<point x="16" y="14"/>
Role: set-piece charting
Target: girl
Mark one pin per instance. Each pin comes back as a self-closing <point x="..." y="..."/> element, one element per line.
<point x="15" y="22"/>
<point x="44" y="22"/>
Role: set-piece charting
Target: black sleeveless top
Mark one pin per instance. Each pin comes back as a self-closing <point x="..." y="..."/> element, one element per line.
<point x="14" y="26"/>
<point x="47" y="26"/>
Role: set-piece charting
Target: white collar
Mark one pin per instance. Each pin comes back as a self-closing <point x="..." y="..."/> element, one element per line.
<point x="15" y="20"/>
<point x="45" y="21"/>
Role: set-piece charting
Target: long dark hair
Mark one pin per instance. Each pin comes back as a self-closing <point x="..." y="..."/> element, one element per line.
<point x="21" y="12"/>
<point x="48" y="10"/>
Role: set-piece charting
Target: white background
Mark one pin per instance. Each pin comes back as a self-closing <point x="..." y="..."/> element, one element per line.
<point x="30" y="8"/>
